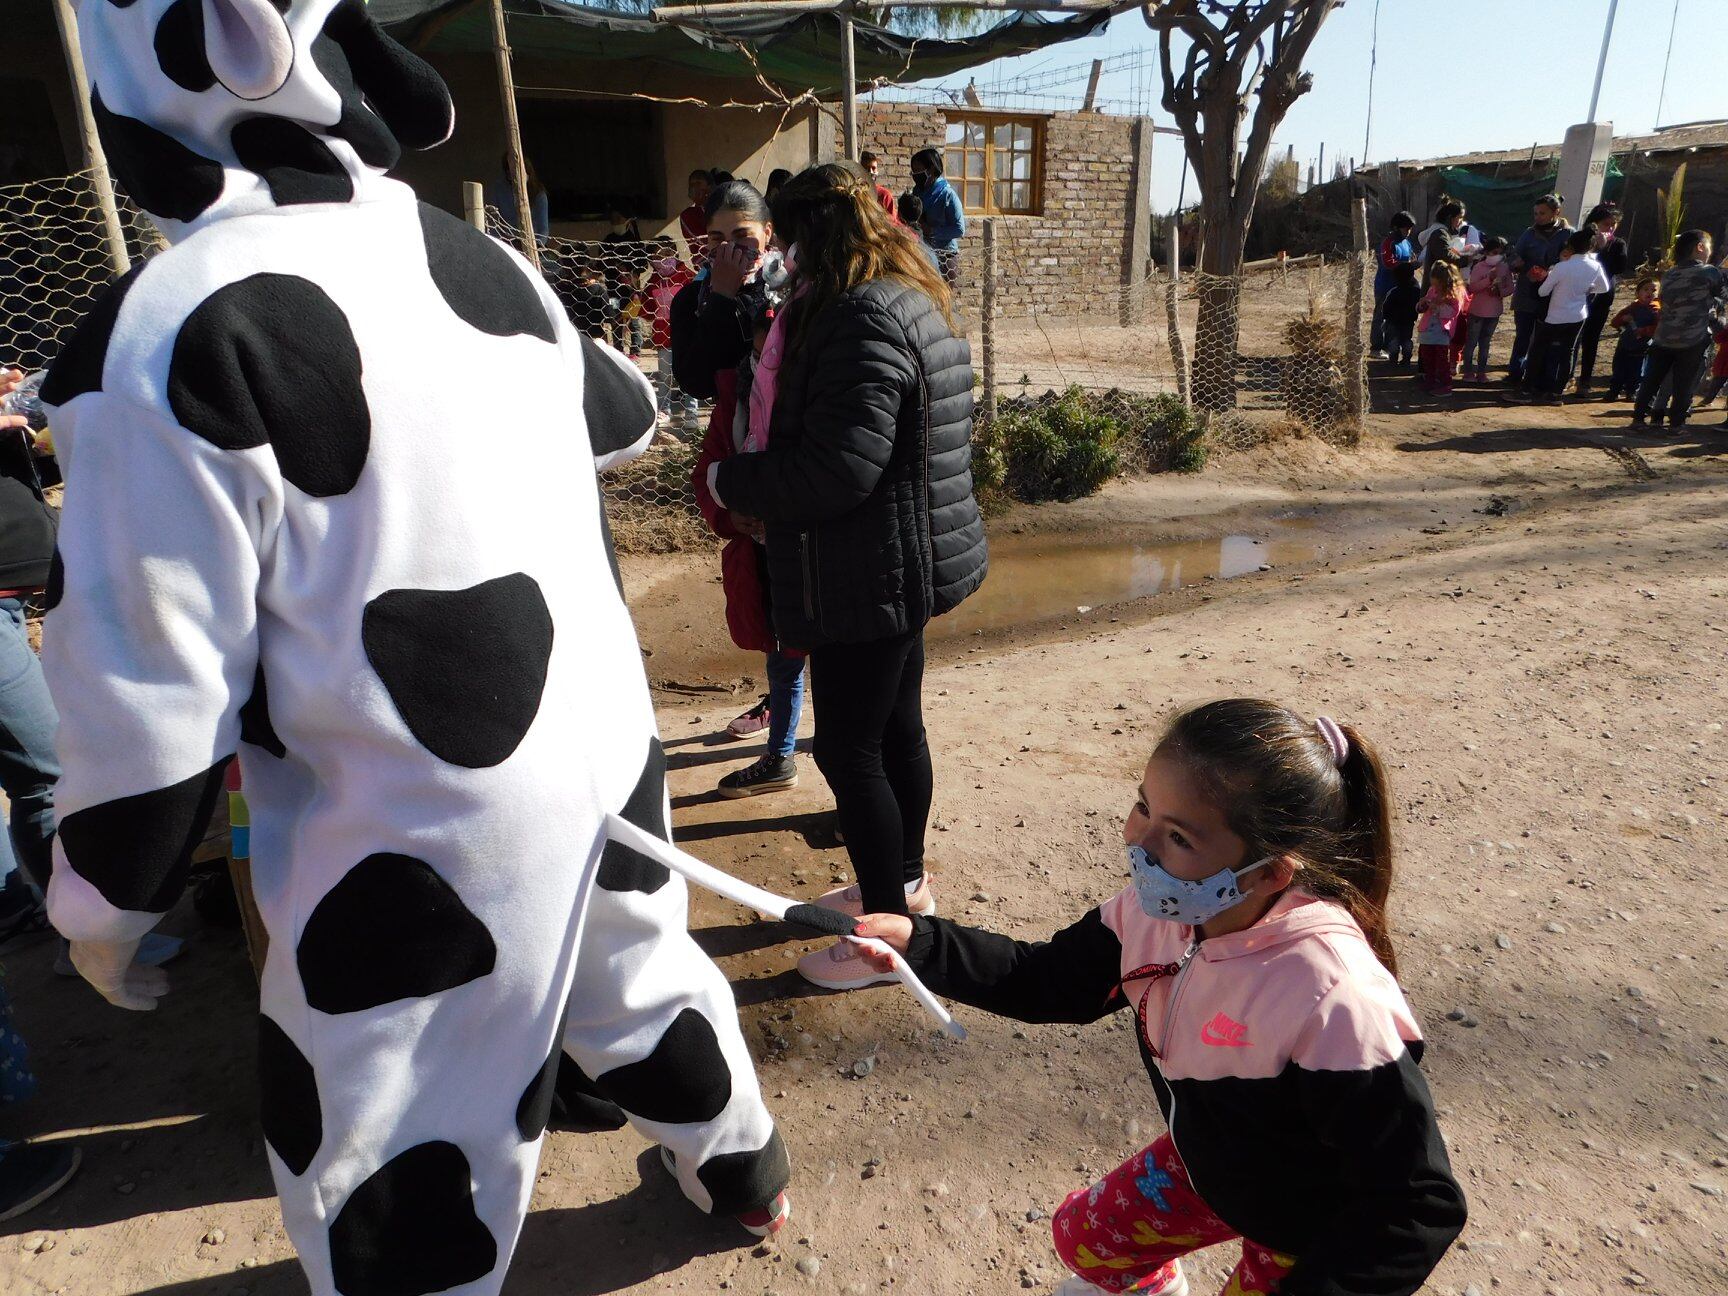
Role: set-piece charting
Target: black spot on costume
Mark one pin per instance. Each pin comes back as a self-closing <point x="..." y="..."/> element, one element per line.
<point x="465" y="668"/>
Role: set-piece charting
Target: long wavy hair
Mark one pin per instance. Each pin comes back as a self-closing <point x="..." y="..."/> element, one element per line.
<point x="844" y="238"/>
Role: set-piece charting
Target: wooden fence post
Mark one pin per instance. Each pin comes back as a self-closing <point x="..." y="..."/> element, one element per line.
<point x="1172" y="289"/>
<point x="474" y="204"/>
<point x="1355" y="326"/>
<point x="987" y="319"/>
<point x="95" y="160"/>
<point x="513" y="135"/>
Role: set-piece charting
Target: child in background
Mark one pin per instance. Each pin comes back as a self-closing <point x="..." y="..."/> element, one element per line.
<point x="1442" y="309"/>
<point x="1403" y="303"/>
<point x="1255" y="950"/>
<point x="1718" y="378"/>
<point x="1491" y="281"/>
<point x="1397" y="254"/>
<point x="1636" y="323"/>
<point x="666" y="276"/>
<point x="590" y="300"/>
<point x="909" y="209"/>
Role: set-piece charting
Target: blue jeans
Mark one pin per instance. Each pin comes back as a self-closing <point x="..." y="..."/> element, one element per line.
<point x="1523" y="333"/>
<point x="1477" y="341"/>
<point x="785" y="702"/>
<point x="28" y="766"/>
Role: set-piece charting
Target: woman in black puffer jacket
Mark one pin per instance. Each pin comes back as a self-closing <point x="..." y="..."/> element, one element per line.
<point x="865" y="488"/>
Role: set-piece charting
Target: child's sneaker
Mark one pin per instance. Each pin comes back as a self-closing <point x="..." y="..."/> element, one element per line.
<point x="753" y="721"/>
<point x="767" y="774"/>
<point x="765" y="1221"/>
<point x="1168" y="1281"/>
<point x="31" y="1173"/>
<point x="849" y="900"/>
<point x="841" y="966"/>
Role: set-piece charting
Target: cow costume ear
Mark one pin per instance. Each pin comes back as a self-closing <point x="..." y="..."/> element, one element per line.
<point x="248" y="45"/>
<point x="401" y="87"/>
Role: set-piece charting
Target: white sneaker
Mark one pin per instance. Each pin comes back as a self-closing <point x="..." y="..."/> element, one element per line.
<point x="1175" y="1284"/>
<point x="154" y="950"/>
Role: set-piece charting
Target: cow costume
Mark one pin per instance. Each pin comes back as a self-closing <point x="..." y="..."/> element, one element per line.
<point x="281" y="540"/>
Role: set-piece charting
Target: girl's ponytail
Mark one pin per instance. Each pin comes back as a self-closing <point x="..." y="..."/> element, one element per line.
<point x="1366" y="863"/>
<point x="1313" y="789"/>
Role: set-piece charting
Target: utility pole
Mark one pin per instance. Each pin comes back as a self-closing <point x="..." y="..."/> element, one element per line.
<point x="1602" y="59"/>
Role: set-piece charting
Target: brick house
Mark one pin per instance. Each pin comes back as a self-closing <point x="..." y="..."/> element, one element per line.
<point x="1071" y="206"/>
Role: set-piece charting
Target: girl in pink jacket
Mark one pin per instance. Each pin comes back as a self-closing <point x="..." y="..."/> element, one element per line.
<point x="1254" y="952"/>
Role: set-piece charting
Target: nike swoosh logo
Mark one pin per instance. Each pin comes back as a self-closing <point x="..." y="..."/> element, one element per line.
<point x="1221" y="1032"/>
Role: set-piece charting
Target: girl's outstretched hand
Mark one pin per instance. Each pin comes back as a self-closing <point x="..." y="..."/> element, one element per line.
<point x="893" y="930"/>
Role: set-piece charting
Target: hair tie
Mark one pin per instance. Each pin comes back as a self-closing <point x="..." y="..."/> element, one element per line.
<point x="1335" y="739"/>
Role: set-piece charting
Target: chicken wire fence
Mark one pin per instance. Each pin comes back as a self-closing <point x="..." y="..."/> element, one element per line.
<point x="55" y="257"/>
<point x="1275" y="351"/>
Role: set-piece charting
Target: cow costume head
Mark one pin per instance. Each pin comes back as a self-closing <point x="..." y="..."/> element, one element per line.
<point x="210" y="108"/>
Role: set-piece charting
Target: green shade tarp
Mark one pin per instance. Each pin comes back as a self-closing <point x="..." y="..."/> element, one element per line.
<point x="1501" y="205"/>
<point x="796" y="52"/>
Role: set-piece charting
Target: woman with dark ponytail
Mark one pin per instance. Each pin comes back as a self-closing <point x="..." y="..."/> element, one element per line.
<point x="1254" y="949"/>
<point x="863" y="484"/>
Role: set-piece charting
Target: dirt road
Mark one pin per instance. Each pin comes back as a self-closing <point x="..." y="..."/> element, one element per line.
<point x="1532" y="621"/>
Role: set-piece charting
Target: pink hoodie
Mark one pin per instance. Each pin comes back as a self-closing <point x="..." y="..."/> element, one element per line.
<point x="1301" y="985"/>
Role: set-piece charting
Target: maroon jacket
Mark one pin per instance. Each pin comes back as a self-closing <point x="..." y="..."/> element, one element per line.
<point x="743" y="572"/>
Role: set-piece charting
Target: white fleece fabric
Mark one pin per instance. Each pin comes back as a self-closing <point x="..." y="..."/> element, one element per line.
<point x="331" y="505"/>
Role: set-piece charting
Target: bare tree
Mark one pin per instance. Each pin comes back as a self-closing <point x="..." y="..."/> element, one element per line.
<point x="1244" y="60"/>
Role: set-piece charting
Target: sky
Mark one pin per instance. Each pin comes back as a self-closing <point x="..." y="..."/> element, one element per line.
<point x="1453" y="76"/>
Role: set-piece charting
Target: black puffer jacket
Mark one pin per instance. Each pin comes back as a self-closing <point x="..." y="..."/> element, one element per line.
<point x="871" y="529"/>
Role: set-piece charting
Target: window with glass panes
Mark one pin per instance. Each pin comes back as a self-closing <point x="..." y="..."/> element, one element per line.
<point x="993" y="162"/>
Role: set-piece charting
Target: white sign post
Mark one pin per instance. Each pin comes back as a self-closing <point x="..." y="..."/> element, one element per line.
<point x="1584" y="167"/>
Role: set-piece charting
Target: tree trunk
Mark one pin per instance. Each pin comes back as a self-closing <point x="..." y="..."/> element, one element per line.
<point x="1225" y="234"/>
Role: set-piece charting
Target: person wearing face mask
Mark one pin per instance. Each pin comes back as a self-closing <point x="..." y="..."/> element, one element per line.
<point x="719" y="322"/>
<point x="1254" y="950"/>
<point x="944" y="218"/>
<point x="1533" y="254"/>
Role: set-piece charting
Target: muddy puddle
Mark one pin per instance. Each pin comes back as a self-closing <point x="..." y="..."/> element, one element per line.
<point x="1033" y="579"/>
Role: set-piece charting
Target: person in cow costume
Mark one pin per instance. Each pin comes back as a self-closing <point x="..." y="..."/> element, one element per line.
<point x="277" y="543"/>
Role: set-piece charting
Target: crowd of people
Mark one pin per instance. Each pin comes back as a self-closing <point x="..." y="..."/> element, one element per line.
<point x="619" y="288"/>
<point x="1439" y="297"/>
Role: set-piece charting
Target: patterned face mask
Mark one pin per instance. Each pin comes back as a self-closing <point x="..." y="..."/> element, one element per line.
<point x="1163" y="895"/>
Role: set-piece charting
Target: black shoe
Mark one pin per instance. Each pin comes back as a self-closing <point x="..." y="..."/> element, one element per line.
<point x="1639" y="420"/>
<point x="769" y="774"/>
<point x="20" y="912"/>
<point x="31" y="1173"/>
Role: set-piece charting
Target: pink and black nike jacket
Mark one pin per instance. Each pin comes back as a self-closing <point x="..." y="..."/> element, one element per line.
<point x="1284" y="1057"/>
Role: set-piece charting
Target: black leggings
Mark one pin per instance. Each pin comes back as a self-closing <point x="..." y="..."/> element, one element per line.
<point x="870" y="747"/>
<point x="1600" y="305"/>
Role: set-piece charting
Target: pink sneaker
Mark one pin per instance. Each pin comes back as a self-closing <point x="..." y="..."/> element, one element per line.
<point x="1168" y="1281"/>
<point x="841" y="966"/>
<point x="849" y="900"/>
<point x="753" y="721"/>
